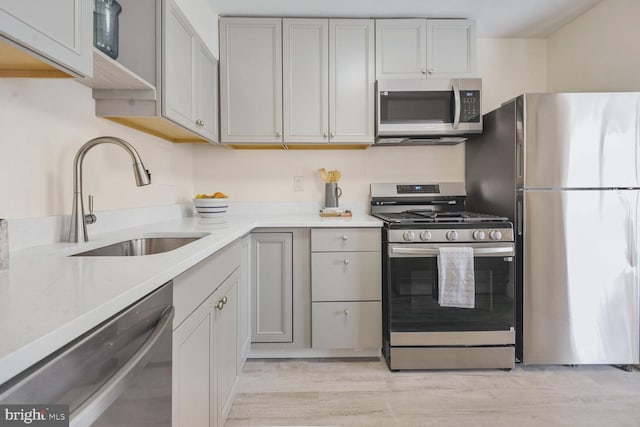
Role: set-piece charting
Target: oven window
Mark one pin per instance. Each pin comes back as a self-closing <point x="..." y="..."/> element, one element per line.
<point x="411" y="290"/>
<point x="417" y="107"/>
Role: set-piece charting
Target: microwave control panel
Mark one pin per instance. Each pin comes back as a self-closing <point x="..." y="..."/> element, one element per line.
<point x="470" y="111"/>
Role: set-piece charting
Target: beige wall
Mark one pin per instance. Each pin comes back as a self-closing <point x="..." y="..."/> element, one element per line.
<point x="598" y="51"/>
<point x="508" y="68"/>
<point x="43" y="122"/>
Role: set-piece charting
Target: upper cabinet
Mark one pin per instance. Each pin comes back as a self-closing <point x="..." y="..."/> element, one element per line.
<point x="401" y="48"/>
<point x="306" y="80"/>
<point x="451" y="48"/>
<point x="351" y="81"/>
<point x="431" y="48"/>
<point x="317" y="89"/>
<point x="46" y="38"/>
<point x="164" y="81"/>
<point x="251" y="80"/>
<point x="189" y="76"/>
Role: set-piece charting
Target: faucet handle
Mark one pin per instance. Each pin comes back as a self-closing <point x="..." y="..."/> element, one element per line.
<point x="90" y="218"/>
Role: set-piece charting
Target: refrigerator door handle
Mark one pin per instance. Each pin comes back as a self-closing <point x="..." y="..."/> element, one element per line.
<point x="519" y="161"/>
<point x="456" y="97"/>
<point x="519" y="217"/>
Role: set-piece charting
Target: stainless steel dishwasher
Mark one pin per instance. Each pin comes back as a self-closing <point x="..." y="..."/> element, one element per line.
<point x="117" y="374"/>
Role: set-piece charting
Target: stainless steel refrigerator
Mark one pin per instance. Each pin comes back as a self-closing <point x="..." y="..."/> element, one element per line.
<point x="565" y="168"/>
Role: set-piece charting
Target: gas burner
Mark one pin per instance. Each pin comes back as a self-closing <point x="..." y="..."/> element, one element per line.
<point x="439" y="216"/>
<point x="428" y="216"/>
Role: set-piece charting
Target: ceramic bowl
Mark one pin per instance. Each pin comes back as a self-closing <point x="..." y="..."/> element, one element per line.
<point x="211" y="208"/>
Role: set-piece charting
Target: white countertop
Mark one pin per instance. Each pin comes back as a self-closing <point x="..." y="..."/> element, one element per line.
<point x="48" y="299"/>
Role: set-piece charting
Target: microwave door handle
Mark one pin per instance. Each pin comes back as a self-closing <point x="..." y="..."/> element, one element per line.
<point x="456" y="97"/>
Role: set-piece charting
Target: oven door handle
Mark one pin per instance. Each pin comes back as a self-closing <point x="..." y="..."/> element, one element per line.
<point x="395" y="251"/>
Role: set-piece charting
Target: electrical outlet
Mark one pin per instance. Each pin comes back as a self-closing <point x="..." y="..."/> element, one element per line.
<point x="298" y="183"/>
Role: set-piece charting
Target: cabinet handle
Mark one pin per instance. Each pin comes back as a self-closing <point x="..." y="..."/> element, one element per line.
<point x="325" y="134"/>
<point x="332" y="134"/>
<point x="220" y="305"/>
<point x="346" y="261"/>
<point x="430" y="70"/>
<point x="345" y="237"/>
<point x="346" y="312"/>
<point x="278" y="134"/>
<point x="201" y="123"/>
<point x="224" y="300"/>
<point x="423" y="70"/>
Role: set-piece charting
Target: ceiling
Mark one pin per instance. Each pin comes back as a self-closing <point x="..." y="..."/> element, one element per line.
<point x="494" y="18"/>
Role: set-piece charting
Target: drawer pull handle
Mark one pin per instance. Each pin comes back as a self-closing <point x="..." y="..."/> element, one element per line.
<point x="346" y="312"/>
<point x="345" y="237"/>
<point x="224" y="300"/>
<point x="346" y="261"/>
<point x="220" y="305"/>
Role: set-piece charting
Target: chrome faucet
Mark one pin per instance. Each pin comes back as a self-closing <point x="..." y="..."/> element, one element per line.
<point x="78" y="231"/>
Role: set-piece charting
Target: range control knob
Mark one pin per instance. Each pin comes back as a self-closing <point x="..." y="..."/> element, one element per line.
<point x="408" y="236"/>
<point x="495" y="235"/>
<point x="425" y="235"/>
<point x="479" y="235"/>
<point x="452" y="235"/>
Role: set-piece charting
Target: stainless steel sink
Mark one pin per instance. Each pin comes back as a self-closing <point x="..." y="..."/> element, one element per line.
<point x="141" y="246"/>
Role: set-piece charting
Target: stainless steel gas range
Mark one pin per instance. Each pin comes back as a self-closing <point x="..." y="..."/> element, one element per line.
<point x="420" y="222"/>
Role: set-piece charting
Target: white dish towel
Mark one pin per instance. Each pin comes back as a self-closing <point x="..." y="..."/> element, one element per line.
<point x="456" y="280"/>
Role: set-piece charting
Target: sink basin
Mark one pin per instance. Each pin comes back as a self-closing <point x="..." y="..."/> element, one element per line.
<point x="141" y="246"/>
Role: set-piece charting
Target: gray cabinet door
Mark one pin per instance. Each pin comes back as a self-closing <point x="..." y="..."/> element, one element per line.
<point x="272" y="287"/>
<point x="346" y="324"/>
<point x="192" y="394"/>
<point x="251" y="80"/>
<point x="226" y="345"/>
<point x="401" y="48"/>
<point x="451" y="48"/>
<point x="59" y="30"/>
<point x="345" y="276"/>
<point x="206" y="93"/>
<point x="351" y="81"/>
<point x="306" y="80"/>
<point x="244" y="297"/>
<point x="178" y="102"/>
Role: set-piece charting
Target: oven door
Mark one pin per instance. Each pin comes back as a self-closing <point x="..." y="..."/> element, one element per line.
<point x="428" y="107"/>
<point x="411" y="290"/>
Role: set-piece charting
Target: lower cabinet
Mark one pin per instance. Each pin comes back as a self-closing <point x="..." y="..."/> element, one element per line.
<point x="193" y="370"/>
<point x="205" y="341"/>
<point x="272" y="287"/>
<point x="225" y="354"/>
<point x="346" y="288"/>
<point x="244" y="296"/>
<point x="347" y="324"/>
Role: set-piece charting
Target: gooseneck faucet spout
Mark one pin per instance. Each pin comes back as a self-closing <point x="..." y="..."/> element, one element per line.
<point x="78" y="231"/>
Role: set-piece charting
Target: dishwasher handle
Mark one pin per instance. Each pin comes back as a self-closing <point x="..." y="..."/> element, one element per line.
<point x="93" y="407"/>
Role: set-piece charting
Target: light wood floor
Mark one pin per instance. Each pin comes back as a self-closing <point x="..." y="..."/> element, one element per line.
<point x="366" y="393"/>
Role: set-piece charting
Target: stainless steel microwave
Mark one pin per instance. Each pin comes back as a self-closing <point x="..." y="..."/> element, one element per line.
<point x="428" y="107"/>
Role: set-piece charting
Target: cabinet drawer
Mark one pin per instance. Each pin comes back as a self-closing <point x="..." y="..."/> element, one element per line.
<point x="345" y="239"/>
<point x="346" y="276"/>
<point x="354" y="325"/>
<point x="197" y="283"/>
